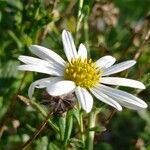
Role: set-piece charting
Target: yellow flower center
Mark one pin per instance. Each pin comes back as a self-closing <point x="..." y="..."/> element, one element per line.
<point x="83" y="72"/>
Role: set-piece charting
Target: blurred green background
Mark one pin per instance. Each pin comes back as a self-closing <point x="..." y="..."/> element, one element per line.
<point x="120" y="28"/>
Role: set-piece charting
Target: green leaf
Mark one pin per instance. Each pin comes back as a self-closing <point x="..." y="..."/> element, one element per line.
<point x="69" y="124"/>
<point x="53" y="146"/>
<point x="76" y="114"/>
<point x="145" y="115"/>
<point x="0" y="16"/>
<point x="97" y="129"/>
<point x="42" y="143"/>
<point x="15" y="38"/>
<point x="86" y="10"/>
<point x="62" y="126"/>
<point x="8" y="69"/>
<point x="76" y="142"/>
<point x="17" y="3"/>
<point x="44" y="113"/>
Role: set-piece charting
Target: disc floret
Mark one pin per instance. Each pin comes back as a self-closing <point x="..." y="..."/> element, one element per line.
<point x="83" y="72"/>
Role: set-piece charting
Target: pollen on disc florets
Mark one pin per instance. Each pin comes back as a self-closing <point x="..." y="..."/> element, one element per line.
<point x="83" y="72"/>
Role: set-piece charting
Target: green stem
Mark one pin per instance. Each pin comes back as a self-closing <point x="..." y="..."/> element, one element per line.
<point x="79" y="17"/>
<point x="86" y="29"/>
<point x="82" y="129"/>
<point x="92" y="120"/>
<point x="80" y="7"/>
<point x="86" y="34"/>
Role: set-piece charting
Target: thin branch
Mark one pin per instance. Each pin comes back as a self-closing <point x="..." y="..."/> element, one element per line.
<point x="39" y="109"/>
<point x="10" y="110"/>
<point x="39" y="130"/>
<point x="140" y="49"/>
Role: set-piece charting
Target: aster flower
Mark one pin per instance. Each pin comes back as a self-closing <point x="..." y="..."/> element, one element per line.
<point x="82" y="76"/>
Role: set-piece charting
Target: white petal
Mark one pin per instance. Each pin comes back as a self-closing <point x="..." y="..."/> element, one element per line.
<point x="47" y="54"/>
<point x="122" y="82"/>
<point x="61" y="87"/>
<point x="69" y="46"/>
<point x="105" y="62"/>
<point x="41" y="69"/>
<point x="118" y="67"/>
<point x="104" y="98"/>
<point x="124" y="98"/>
<point x="85" y="98"/>
<point x="42" y="83"/>
<point x="82" y="52"/>
<point x="33" y="60"/>
<point x="39" y="62"/>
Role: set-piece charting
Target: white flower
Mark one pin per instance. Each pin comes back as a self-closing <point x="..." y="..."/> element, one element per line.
<point x="82" y="76"/>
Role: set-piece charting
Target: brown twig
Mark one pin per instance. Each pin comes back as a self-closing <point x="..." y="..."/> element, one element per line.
<point x="140" y="49"/>
<point x="9" y="111"/>
<point x="39" y="130"/>
<point x="107" y="121"/>
<point x="110" y="117"/>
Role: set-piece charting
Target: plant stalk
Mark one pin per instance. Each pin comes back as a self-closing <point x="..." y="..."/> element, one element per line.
<point x="92" y="120"/>
<point x="82" y="129"/>
<point x="79" y="18"/>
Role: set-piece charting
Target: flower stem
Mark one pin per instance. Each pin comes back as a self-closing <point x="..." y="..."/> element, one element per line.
<point x="92" y="120"/>
<point x="86" y="34"/>
<point x="82" y="129"/>
<point x="79" y="17"/>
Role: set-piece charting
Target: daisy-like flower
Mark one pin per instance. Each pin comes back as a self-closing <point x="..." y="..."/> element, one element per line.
<point x="82" y="76"/>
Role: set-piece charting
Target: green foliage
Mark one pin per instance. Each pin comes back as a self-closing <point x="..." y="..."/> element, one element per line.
<point x="26" y="22"/>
